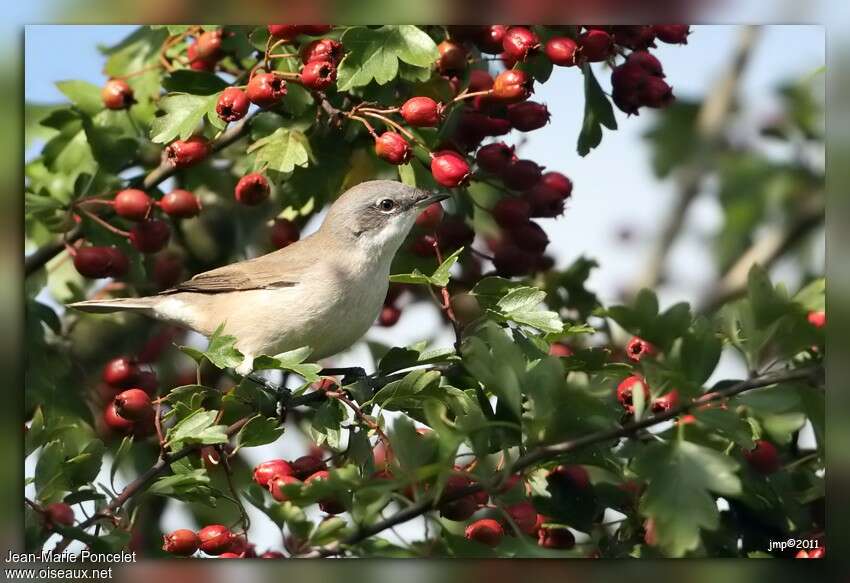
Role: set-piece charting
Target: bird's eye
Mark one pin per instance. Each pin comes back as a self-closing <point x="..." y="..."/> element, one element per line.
<point x="386" y="205"/>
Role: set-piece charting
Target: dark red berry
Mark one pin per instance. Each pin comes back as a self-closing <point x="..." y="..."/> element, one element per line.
<point x="558" y="182"/>
<point x="529" y="236"/>
<point x="545" y="202"/>
<point x="569" y="476"/>
<point x="524" y="515"/>
<point x="763" y="458"/>
<point x="232" y="104"/>
<point x="485" y="531"/>
<point x="494" y="158"/>
<point x="215" y="539"/>
<point x="626" y="101"/>
<point x="638" y="348"/>
<point x="555" y="538"/>
<point x="646" y="61"/>
<point x="655" y="92"/>
<point x="392" y="147"/>
<point x="460" y="509"/>
<point x="453" y="233"/>
<point x="423" y="246"/>
<point x="560" y="349"/>
<point x="58" y="513"/>
<point x="208" y="45"/>
<point x="561" y="50"/>
<point x="323" y="49"/>
<point x="665" y="402"/>
<point x="817" y="319"/>
<point x="266" y="89"/>
<point x="198" y="64"/>
<point x="636" y="37"/>
<point x="121" y="372"/>
<point x="277" y="483"/>
<point x="133" y="404"/>
<point x="269" y="469"/>
<point x="422" y="112"/>
<point x="519" y="42"/>
<point x="452" y="58"/>
<point x="182" y="542"/>
<point x="626" y="389"/>
<point x="512" y="86"/>
<point x="97" y="262"/>
<point x="117" y="94"/>
<point x="133" y="204"/>
<point x="147" y="382"/>
<point x="490" y="39"/>
<point x="180" y="204"/>
<point x="596" y="45"/>
<point x="521" y="174"/>
<point x="150" y="236"/>
<point x="318" y="75"/>
<point x="528" y="116"/>
<point x="389" y="316"/>
<point x="674" y="34"/>
<point x="449" y="168"/>
<point x="430" y="217"/>
<point x="511" y="211"/>
<point x="272" y="555"/>
<point x="115" y="422"/>
<point x="315" y="29"/>
<point x="284" y="233"/>
<point x="183" y="153"/>
<point x="252" y="189"/>
<point x="480" y="80"/>
<point x="307" y="465"/>
<point x="511" y="261"/>
<point x="167" y="269"/>
<point x="284" y="31"/>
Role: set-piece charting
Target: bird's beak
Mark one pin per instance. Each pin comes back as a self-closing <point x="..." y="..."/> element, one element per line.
<point x="432" y="198"/>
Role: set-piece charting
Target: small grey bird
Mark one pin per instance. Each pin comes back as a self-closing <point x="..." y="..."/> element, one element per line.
<point x="323" y="291"/>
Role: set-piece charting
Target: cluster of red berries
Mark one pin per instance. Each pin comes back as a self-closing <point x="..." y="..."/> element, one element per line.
<point x="215" y="540"/>
<point x="127" y="391"/>
<point x="276" y="474"/>
<point x="57" y="514"/>
<point x="625" y="396"/>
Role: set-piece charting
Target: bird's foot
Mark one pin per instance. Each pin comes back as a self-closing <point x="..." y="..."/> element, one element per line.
<point x="350" y="374"/>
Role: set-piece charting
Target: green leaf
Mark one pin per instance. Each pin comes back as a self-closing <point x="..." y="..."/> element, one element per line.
<point x="407" y="174"/>
<point x="221" y="350"/>
<point x="292" y="361"/>
<point x="325" y="426"/>
<point x="282" y="151"/>
<point x="50" y="483"/>
<point x="328" y="531"/>
<point x="197" y="428"/>
<point x="681" y="477"/>
<point x="398" y="358"/>
<point x="498" y="363"/>
<point x="120" y="456"/>
<point x="521" y="305"/>
<point x="411" y="384"/>
<point x="597" y="113"/>
<point x="84" y="467"/>
<point x="700" y="351"/>
<point x="440" y="277"/>
<point x="184" y="113"/>
<point x="767" y="302"/>
<point x="194" y="82"/>
<point x="259" y="430"/>
<point x="109" y="145"/>
<point x="415" y="277"/>
<point x="191" y="486"/>
<point x="374" y="54"/>
<point x="84" y="95"/>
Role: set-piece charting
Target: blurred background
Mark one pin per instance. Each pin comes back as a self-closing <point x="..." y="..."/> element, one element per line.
<point x="634" y="210"/>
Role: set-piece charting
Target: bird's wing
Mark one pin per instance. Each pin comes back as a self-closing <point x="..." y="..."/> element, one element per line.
<point x="281" y="268"/>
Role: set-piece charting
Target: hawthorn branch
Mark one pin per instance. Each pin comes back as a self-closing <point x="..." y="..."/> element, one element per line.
<point x="813" y="375"/>
<point x="41" y="256"/>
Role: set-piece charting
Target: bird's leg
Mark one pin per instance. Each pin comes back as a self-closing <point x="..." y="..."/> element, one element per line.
<point x="350" y="374"/>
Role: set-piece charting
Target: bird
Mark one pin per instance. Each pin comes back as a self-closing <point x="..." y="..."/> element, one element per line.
<point x="323" y="292"/>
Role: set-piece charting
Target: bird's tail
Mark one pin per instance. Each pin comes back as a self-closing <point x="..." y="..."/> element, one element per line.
<point x="114" y="305"/>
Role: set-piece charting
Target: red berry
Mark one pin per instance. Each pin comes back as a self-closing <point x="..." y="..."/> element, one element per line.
<point x="182" y="542"/>
<point x="453" y="233"/>
<point x="494" y="158"/>
<point x="638" y="348"/>
<point x="58" y="513"/>
<point x="525" y="516"/>
<point x="634" y="37"/>
<point x="629" y="76"/>
<point x="180" y="204"/>
<point x="423" y="246"/>
<point x="121" y="371"/>
<point x="460" y="509"/>
<point x="276" y="485"/>
<point x="198" y="64"/>
<point x="545" y="202"/>
<point x="529" y="236"/>
<point x="117" y="94"/>
<point x="512" y="86"/>
<point x="569" y="476"/>
<point x="232" y="104"/>
<point x="272" y="555"/>
<point x="252" y="189"/>
<point x="393" y="148"/>
<point x="521" y="174"/>
<point x="449" y="168"/>
<point x="323" y="49"/>
<point x="511" y="261"/>
<point x="596" y="45"/>
<point x="485" y="531"/>
<point x="626" y="388"/>
<point x="817" y="319"/>
<point x="181" y="154"/>
<point x="133" y="404"/>
<point x="558" y="182"/>
<point x="97" y="262"/>
<point x="491" y="38"/>
<point x="510" y="212"/>
<point x="269" y="469"/>
<point x="627" y="101"/>
<point x="655" y="93"/>
<point x="229" y="555"/>
<point x="674" y="34"/>
<point x="555" y="538"/>
<point x="284" y="31"/>
<point x="318" y="75"/>
<point x="389" y="316"/>
<point x="266" y="89"/>
<point x="150" y="236"/>
<point x="284" y="233"/>
<point x="215" y="539"/>
<point x="666" y="402"/>
<point x="115" y="422"/>
<point x="307" y="465"/>
<point x="528" y="116"/>
<point x="315" y="29"/>
<point x="560" y="349"/>
<point x="646" y="61"/>
<point x="519" y="42"/>
<point x="763" y="458"/>
<point x="147" y="382"/>
<point x="208" y="45"/>
<point x="561" y="50"/>
<point x="133" y="204"/>
<point x="422" y="112"/>
<point x="480" y="80"/>
<point x="430" y="217"/>
<point x="452" y="58"/>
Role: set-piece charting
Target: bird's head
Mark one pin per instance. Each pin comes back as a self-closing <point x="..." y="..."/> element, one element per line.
<point x="376" y="216"/>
